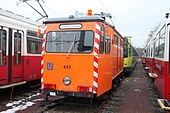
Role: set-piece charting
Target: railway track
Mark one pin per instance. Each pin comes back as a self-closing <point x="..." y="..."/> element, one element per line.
<point x="55" y="104"/>
<point x="111" y="102"/>
<point x="77" y="105"/>
<point x="76" y="108"/>
<point x="13" y="94"/>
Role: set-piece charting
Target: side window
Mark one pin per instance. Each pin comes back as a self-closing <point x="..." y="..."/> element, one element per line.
<point x="120" y="48"/>
<point x="107" y="44"/>
<point x="115" y="39"/>
<point x="125" y="49"/>
<point x="102" y="39"/>
<point x="151" y="52"/>
<point x="156" y="46"/>
<point x="34" y="44"/>
<point x="17" y="48"/>
<point x="85" y="45"/>
<point x="2" y="47"/>
<point x="162" y="42"/>
<point x="119" y="42"/>
<point x="130" y="50"/>
<point x="146" y="52"/>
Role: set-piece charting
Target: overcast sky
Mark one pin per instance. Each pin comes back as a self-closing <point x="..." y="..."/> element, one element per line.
<point x="134" y="18"/>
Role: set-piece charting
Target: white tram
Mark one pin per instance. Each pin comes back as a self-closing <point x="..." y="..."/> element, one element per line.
<point x="20" y="49"/>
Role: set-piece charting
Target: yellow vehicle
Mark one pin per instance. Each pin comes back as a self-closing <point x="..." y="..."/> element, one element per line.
<point x="130" y="56"/>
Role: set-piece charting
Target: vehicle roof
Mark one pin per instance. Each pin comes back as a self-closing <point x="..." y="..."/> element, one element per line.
<point x="93" y="18"/>
<point x="17" y="17"/>
<point x="75" y="19"/>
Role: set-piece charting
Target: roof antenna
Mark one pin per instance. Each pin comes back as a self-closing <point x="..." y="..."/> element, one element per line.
<point x="42" y="16"/>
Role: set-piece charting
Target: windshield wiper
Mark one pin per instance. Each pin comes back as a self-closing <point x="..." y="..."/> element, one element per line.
<point x="71" y="47"/>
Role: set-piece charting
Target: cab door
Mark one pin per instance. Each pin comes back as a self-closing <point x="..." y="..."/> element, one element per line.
<point x="16" y="59"/>
<point x="3" y="56"/>
<point x="168" y="32"/>
<point x="167" y="81"/>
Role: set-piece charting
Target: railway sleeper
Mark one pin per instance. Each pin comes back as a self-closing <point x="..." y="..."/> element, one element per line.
<point x="69" y="101"/>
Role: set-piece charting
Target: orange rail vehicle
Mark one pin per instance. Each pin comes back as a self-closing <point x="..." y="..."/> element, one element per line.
<point x="82" y="56"/>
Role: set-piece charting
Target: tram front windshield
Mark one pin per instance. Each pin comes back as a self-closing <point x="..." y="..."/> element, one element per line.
<point x="69" y="41"/>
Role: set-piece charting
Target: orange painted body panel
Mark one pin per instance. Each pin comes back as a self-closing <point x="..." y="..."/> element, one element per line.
<point x="82" y="65"/>
<point x="80" y="72"/>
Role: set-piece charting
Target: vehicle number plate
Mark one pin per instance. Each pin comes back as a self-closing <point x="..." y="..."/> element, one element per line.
<point x="52" y="94"/>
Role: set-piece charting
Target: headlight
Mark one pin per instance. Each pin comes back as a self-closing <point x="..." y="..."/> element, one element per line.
<point x="67" y="80"/>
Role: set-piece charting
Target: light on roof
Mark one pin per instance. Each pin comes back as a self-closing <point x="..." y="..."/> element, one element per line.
<point x="89" y="12"/>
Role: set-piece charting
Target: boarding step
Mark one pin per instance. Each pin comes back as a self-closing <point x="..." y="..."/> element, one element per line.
<point x="147" y="68"/>
<point x="12" y="84"/>
<point x="164" y="103"/>
<point x="153" y="75"/>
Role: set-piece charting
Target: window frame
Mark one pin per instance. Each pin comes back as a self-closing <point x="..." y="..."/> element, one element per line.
<point x="107" y="44"/>
<point x="125" y="46"/>
<point x="156" y="46"/>
<point x="157" y="43"/>
<point x="4" y="63"/>
<point x="115" y="39"/>
<point x="32" y="35"/>
<point x="162" y="38"/>
<point x="129" y="50"/>
<point x="73" y="52"/>
<point x="102" y="40"/>
<point x="19" y="61"/>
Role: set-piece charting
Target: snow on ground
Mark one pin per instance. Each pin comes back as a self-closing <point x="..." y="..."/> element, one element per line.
<point x="21" y="104"/>
<point x="14" y="108"/>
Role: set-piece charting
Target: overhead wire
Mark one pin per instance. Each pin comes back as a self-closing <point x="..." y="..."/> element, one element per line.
<point x="52" y="10"/>
<point x="41" y="6"/>
<point x="106" y="11"/>
<point x="103" y="6"/>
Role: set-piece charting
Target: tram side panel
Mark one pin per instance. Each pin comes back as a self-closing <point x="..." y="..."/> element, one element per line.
<point x="17" y="55"/>
<point x="168" y="63"/>
<point x="161" y="63"/>
<point x="162" y="66"/>
<point x="11" y="57"/>
<point x="32" y="66"/>
<point x="3" y="56"/>
<point x="114" y="54"/>
<point x="120" y="55"/>
<point x="32" y="57"/>
<point x="162" y="80"/>
<point x="110" y="63"/>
